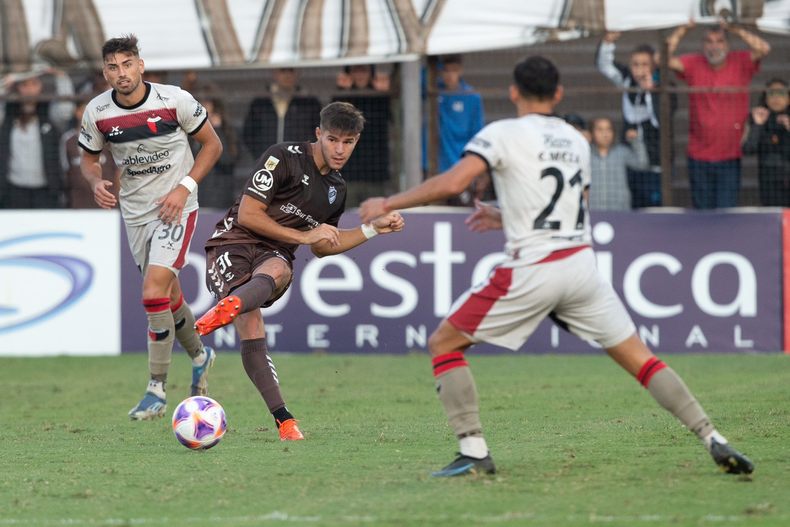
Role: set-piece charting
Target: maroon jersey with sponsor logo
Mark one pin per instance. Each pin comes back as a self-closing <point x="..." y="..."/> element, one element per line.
<point x="297" y="196"/>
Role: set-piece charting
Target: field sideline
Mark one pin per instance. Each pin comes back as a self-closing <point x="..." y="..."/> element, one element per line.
<point x="576" y="441"/>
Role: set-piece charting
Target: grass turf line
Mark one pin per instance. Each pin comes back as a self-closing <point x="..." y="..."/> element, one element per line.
<point x="576" y="440"/>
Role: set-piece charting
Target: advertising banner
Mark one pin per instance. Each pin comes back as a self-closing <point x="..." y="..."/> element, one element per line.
<point x="60" y="290"/>
<point x="692" y="281"/>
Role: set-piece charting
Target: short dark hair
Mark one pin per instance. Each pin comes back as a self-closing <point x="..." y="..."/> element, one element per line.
<point x="455" y="58"/>
<point x="574" y="119"/>
<point x="342" y="117"/>
<point x="644" y="48"/>
<point x="717" y="29"/>
<point x="126" y="44"/>
<point x="536" y="78"/>
<point x="776" y="80"/>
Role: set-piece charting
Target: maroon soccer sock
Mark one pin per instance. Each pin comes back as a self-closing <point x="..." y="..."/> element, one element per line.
<point x="260" y="370"/>
<point x="255" y="292"/>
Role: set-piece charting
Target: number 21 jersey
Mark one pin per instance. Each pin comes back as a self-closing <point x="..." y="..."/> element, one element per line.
<point x="540" y="166"/>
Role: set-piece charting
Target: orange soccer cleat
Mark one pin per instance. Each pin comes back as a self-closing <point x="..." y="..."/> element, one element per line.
<point x="289" y="431"/>
<point x="221" y="315"/>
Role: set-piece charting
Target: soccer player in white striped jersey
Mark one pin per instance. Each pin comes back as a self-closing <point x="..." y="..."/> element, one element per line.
<point x="147" y="128"/>
<point x="541" y="171"/>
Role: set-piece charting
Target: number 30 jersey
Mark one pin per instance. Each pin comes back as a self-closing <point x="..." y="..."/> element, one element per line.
<point x="540" y="166"/>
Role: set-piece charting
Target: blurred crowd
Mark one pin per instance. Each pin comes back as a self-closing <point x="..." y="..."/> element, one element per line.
<point x="41" y="112"/>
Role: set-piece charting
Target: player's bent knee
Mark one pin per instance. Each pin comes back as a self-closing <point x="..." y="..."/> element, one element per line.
<point x="447" y="339"/>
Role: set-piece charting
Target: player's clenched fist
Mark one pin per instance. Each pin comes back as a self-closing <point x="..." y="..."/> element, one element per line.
<point x="320" y="233"/>
<point x="390" y="222"/>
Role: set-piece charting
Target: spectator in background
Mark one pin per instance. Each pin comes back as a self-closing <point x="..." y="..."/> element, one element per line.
<point x="156" y="76"/>
<point x="609" y="163"/>
<point x="461" y="116"/>
<point x="93" y="86"/>
<point x="576" y="121"/>
<point x="287" y="113"/>
<point x="219" y="188"/>
<point x="30" y="171"/>
<point x="367" y="172"/>
<point x="640" y="112"/>
<point x="768" y="136"/>
<point x="716" y="119"/>
<point x="77" y="190"/>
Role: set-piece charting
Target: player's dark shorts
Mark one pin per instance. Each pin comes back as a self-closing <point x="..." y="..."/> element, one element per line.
<point x="229" y="266"/>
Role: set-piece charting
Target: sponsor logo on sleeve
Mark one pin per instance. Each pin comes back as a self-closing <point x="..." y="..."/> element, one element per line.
<point x="84" y="133"/>
<point x="479" y="141"/>
<point x="294" y="149"/>
<point x="263" y="180"/>
<point x="198" y="110"/>
<point x="271" y="163"/>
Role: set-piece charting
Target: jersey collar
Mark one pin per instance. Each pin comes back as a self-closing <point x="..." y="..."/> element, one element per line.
<point x="132" y="107"/>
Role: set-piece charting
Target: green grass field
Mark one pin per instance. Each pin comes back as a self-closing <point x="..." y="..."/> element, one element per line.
<point x="576" y="441"/>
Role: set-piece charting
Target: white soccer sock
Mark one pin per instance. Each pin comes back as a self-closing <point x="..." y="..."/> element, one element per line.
<point x="157" y="388"/>
<point x="474" y="446"/>
<point x="199" y="359"/>
<point x="714" y="435"/>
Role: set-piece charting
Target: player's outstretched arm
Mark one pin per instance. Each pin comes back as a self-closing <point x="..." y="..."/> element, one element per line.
<point x="90" y="166"/>
<point x="484" y="218"/>
<point x="390" y="222"/>
<point x="449" y="183"/>
<point x="253" y="216"/>
<point x="210" y="150"/>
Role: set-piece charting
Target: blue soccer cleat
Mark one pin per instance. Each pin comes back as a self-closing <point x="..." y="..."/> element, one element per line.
<point x="200" y="374"/>
<point x="467" y="465"/>
<point x="151" y="407"/>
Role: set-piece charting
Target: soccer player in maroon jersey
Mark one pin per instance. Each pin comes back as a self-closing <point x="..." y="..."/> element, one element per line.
<point x="295" y="196"/>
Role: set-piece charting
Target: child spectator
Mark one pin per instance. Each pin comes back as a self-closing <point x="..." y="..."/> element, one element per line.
<point x="768" y="136"/>
<point x="609" y="162"/>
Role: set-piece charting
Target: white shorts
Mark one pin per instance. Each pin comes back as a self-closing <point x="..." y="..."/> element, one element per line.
<point x="158" y="243"/>
<point x="507" y="308"/>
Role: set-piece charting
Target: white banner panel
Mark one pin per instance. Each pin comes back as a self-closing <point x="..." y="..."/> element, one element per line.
<point x="60" y="283"/>
<point x="183" y="34"/>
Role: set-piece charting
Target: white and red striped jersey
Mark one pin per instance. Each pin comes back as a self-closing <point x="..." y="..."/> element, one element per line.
<point x="540" y="166"/>
<point x="149" y="142"/>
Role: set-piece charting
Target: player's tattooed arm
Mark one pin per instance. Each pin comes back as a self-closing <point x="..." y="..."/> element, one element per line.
<point x="484" y="218"/>
<point x="92" y="172"/>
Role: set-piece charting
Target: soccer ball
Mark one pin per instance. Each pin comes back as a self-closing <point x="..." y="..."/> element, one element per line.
<point x="199" y="423"/>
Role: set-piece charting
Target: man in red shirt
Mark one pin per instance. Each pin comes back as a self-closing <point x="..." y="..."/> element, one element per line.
<point x="716" y="118"/>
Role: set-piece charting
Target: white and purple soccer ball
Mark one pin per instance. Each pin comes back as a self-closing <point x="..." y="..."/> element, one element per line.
<point x="199" y="422"/>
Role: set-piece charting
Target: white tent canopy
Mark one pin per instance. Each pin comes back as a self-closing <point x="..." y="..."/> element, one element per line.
<point x="181" y="34"/>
